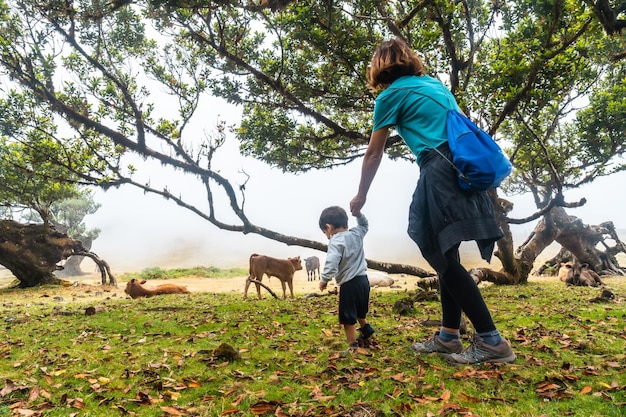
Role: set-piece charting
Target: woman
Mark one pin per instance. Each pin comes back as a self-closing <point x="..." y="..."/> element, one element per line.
<point x="441" y="215"/>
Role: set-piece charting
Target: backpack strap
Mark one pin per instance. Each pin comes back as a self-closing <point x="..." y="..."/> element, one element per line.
<point x="410" y="90"/>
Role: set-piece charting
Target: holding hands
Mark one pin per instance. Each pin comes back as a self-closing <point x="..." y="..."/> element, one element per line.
<point x="356" y="205"/>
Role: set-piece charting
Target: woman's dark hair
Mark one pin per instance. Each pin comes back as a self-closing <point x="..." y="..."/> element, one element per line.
<point x="335" y="216"/>
<point x="393" y="59"/>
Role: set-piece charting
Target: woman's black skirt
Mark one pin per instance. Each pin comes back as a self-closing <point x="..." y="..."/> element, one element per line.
<point x="442" y="214"/>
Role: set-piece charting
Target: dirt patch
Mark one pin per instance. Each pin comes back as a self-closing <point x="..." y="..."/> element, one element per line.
<point x="88" y="287"/>
<point x="236" y="285"/>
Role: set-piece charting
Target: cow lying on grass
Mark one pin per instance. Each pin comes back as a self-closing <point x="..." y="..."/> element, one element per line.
<point x="136" y="290"/>
<point x="580" y="274"/>
<point x="379" y="279"/>
<point x="564" y="270"/>
<point x="283" y="269"/>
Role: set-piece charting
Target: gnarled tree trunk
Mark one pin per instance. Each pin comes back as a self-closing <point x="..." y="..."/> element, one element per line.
<point x="32" y="253"/>
<point x="71" y="267"/>
<point x="603" y="262"/>
<point x="575" y="237"/>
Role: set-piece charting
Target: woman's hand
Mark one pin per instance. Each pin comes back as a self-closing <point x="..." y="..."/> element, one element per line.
<point x="357" y="204"/>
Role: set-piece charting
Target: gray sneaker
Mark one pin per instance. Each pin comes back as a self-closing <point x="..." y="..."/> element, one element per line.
<point x="435" y="344"/>
<point x="480" y="352"/>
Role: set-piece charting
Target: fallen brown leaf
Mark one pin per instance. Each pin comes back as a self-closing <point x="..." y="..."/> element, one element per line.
<point x="33" y="394"/>
<point x="469" y="398"/>
<point x="445" y="396"/>
<point x="172" y="411"/>
<point x="11" y="387"/>
<point x="263" y="407"/>
<point x="547" y="386"/>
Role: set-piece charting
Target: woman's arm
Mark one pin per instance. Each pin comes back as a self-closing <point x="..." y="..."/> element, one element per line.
<point x="371" y="161"/>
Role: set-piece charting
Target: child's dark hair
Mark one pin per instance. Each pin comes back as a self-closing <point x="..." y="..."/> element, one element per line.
<point x="335" y="216"/>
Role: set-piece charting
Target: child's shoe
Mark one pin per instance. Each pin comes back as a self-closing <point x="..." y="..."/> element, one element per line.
<point x="365" y="332"/>
<point x="351" y="350"/>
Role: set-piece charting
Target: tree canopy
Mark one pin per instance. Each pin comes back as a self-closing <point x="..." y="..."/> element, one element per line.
<point x="29" y="178"/>
<point x="542" y="77"/>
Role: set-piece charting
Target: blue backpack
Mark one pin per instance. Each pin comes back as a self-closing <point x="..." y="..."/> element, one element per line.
<point x="479" y="161"/>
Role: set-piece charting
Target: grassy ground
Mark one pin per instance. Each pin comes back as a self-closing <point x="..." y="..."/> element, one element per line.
<point x="169" y="356"/>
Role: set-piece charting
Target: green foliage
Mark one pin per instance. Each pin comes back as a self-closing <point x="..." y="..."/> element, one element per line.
<point x="71" y="214"/>
<point x="39" y="168"/>
<point x="29" y="177"/>
<point x="198" y="271"/>
<point x="567" y="64"/>
<point x="148" y="356"/>
<point x="150" y="273"/>
<point x="601" y="126"/>
<point x="298" y="72"/>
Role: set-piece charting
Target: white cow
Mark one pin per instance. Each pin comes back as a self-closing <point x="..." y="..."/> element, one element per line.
<point x="379" y="279"/>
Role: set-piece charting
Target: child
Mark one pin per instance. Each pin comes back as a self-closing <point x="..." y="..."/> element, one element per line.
<point x="345" y="261"/>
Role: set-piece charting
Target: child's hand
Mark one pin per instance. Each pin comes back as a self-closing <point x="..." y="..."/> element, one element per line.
<point x="323" y="285"/>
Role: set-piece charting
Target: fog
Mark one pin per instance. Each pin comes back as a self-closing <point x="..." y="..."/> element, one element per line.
<point x="140" y="231"/>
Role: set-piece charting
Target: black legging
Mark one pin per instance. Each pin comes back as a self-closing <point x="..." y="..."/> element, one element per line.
<point x="459" y="293"/>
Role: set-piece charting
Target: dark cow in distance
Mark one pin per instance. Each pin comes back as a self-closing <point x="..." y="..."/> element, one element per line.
<point x="283" y="269"/>
<point x="580" y="274"/>
<point x="312" y="265"/>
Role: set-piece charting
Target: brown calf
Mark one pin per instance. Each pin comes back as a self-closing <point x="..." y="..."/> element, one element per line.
<point x="136" y="290"/>
<point x="580" y="274"/>
<point x="283" y="269"/>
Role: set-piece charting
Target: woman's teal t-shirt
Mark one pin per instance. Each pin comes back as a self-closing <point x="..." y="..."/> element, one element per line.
<point x="417" y="107"/>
